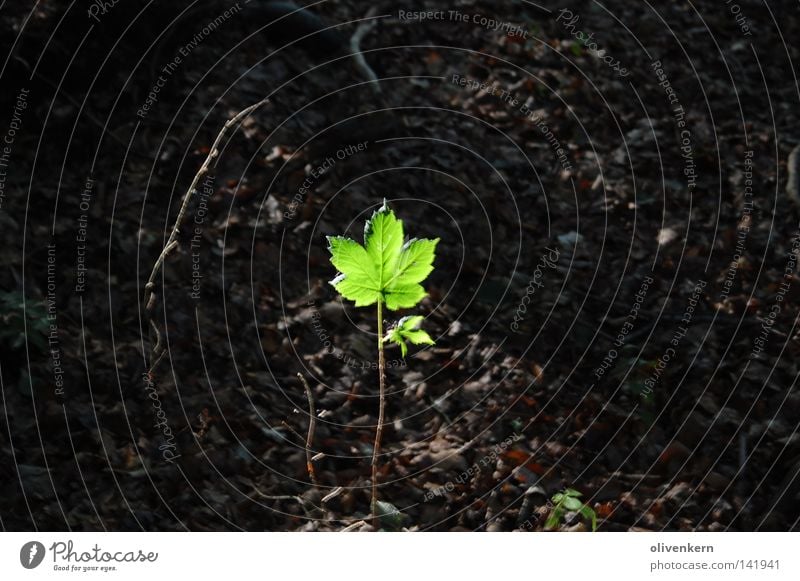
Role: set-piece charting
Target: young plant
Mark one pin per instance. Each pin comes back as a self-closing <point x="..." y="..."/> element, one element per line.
<point x="567" y="501"/>
<point x="385" y="271"/>
<point x="407" y="329"/>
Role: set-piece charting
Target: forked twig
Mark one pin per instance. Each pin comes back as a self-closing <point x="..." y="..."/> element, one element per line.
<point x="172" y="241"/>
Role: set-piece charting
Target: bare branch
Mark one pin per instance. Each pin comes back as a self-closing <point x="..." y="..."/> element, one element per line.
<point x="172" y="241"/>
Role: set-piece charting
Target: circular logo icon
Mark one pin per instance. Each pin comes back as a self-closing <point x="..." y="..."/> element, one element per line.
<point x="31" y="554"/>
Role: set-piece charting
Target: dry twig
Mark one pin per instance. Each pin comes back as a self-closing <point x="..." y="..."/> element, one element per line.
<point x="312" y="424"/>
<point x="172" y="241"/>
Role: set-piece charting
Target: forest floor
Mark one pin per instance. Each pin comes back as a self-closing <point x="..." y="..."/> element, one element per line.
<point x="614" y="299"/>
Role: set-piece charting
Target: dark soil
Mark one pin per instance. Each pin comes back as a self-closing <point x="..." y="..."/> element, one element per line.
<point x="615" y="293"/>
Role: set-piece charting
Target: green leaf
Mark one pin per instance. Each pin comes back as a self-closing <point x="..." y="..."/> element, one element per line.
<point x="390" y="516"/>
<point x="588" y="513"/>
<point x="415" y="262"/>
<point x="573" y="504"/>
<point x="411" y="322"/>
<point x="359" y="279"/>
<point x="383" y="238"/>
<point x="384" y="269"/>
<point x="404" y="296"/>
<point x="407" y="329"/>
<point x="553" y="520"/>
<point x="572" y="492"/>
<point x="418" y="337"/>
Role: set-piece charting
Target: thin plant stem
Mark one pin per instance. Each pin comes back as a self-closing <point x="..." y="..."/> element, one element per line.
<point x="379" y="429"/>
<point x="312" y="423"/>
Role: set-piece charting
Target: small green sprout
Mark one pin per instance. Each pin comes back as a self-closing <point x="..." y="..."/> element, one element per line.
<point x="407" y="329"/>
<point x="384" y="271"/>
<point x="567" y="501"/>
<point x="391" y="519"/>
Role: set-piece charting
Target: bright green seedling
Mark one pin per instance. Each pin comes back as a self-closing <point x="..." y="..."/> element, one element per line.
<point x="384" y="271"/>
<point x="567" y="501"/>
<point x="407" y="329"/>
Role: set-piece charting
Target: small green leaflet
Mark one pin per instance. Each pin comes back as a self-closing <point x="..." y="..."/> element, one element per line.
<point x="407" y="329"/>
<point x="568" y="501"/>
<point x="384" y="269"/>
<point x="391" y="517"/>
